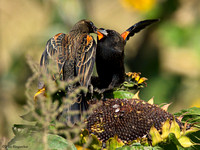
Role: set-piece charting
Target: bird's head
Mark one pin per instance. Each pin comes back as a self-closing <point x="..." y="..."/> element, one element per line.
<point x="85" y="26"/>
<point x="110" y="38"/>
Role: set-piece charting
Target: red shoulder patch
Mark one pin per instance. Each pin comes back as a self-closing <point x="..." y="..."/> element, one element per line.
<point x="125" y="34"/>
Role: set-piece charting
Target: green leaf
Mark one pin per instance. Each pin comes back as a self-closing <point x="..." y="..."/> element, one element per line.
<point x="190" y="115"/>
<point x="128" y="84"/>
<point x="21" y="129"/>
<point x="122" y="94"/>
<point x="185" y="141"/>
<point x="91" y="142"/>
<point x="35" y="141"/>
<point x="96" y="144"/>
<point x="195" y="138"/>
<point x="173" y="139"/>
<point x="189" y="111"/>
<point x="114" y="143"/>
<point x="58" y="142"/>
<point x="138" y="146"/>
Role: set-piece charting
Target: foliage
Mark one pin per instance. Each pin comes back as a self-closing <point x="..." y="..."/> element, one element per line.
<point x="48" y="131"/>
<point x="35" y="141"/>
<point x="48" y="127"/>
<point x="168" y="53"/>
<point x="190" y="115"/>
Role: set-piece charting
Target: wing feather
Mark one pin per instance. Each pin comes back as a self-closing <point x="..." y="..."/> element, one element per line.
<point x="85" y="62"/>
<point x="55" y="51"/>
<point x="137" y="28"/>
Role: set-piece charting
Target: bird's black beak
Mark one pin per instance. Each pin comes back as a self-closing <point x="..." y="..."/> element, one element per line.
<point x="101" y="33"/>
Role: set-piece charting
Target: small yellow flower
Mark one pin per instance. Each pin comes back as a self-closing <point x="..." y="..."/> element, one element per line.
<point x="139" y="5"/>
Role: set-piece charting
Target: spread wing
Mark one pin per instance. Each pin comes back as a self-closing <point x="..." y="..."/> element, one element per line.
<point x="85" y="59"/>
<point x="137" y="28"/>
<point x="54" y="52"/>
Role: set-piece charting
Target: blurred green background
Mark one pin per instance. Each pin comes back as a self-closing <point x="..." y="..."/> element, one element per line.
<point x="167" y="53"/>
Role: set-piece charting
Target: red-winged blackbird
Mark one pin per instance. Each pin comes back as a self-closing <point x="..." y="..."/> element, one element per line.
<point x="110" y="55"/>
<point x="74" y="54"/>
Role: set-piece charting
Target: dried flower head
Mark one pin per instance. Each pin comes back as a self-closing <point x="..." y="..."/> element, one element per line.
<point x="129" y="119"/>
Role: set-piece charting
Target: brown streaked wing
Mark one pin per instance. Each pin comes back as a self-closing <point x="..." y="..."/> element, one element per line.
<point x="56" y="51"/>
<point x="85" y="60"/>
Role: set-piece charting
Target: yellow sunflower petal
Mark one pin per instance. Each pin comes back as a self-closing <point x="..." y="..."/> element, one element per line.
<point x="155" y="135"/>
<point x="165" y="129"/>
<point x="185" y="141"/>
<point x="175" y="129"/>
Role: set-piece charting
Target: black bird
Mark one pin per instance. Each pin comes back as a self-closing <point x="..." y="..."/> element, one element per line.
<point x="110" y="55"/>
<point x="74" y="54"/>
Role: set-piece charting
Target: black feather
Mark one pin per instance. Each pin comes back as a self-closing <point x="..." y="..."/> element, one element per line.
<point x="139" y="26"/>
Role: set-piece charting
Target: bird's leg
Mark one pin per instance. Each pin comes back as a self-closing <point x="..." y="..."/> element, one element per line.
<point x="114" y="83"/>
<point x="95" y="81"/>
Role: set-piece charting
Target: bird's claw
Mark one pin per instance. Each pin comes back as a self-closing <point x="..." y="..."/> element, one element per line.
<point x="100" y="92"/>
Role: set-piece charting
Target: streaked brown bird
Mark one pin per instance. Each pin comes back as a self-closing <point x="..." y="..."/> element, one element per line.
<point x="110" y="55"/>
<point x="74" y="54"/>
